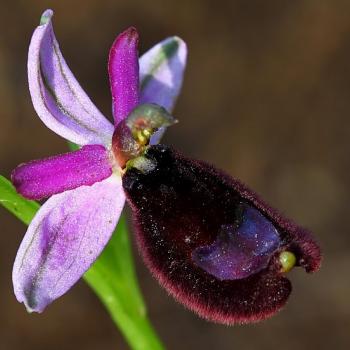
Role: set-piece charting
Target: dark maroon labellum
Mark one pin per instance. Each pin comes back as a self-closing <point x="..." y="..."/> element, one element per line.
<point x="210" y="241"/>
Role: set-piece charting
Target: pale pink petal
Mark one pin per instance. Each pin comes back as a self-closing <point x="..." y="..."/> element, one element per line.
<point x="65" y="237"/>
<point x="58" y="99"/>
<point x="161" y="72"/>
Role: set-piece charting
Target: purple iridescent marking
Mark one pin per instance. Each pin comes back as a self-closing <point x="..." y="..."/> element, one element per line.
<point x="239" y="252"/>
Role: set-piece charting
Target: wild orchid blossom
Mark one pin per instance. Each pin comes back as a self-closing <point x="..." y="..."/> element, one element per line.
<point x="86" y="196"/>
<point x="211" y="242"/>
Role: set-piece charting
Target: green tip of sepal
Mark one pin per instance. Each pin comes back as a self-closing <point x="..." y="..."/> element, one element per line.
<point x="170" y="48"/>
<point x="46" y="17"/>
<point x="29" y="309"/>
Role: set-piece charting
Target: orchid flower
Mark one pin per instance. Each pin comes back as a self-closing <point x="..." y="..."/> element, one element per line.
<point x="209" y="240"/>
<point x="84" y="187"/>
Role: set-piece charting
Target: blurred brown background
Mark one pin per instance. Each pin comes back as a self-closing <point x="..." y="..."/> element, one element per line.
<point x="266" y="97"/>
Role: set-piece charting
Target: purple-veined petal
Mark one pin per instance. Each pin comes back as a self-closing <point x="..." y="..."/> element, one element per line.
<point x="123" y="69"/>
<point x="65" y="237"/>
<point x="57" y="97"/>
<point x="42" y="178"/>
<point x="161" y="72"/>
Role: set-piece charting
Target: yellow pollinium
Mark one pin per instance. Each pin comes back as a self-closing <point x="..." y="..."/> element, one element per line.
<point x="142" y="136"/>
<point x="287" y="260"/>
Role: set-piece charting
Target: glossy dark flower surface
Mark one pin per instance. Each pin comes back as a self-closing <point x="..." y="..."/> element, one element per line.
<point x="210" y="241"/>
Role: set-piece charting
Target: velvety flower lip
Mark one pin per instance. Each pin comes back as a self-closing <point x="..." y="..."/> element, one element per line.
<point x="210" y="241"/>
<point x="86" y="197"/>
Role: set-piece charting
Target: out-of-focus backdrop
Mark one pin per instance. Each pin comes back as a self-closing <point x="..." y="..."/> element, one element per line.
<point x="266" y="97"/>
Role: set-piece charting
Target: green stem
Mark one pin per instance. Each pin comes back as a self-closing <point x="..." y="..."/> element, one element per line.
<point x="113" y="279"/>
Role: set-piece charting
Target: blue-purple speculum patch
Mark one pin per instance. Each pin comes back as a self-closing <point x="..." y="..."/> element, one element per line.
<point x="208" y="239"/>
<point x="240" y="249"/>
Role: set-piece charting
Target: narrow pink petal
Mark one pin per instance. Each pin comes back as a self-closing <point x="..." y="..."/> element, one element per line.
<point x="64" y="239"/>
<point x="43" y="178"/>
<point x="161" y="72"/>
<point x="123" y="68"/>
<point x="57" y="97"/>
